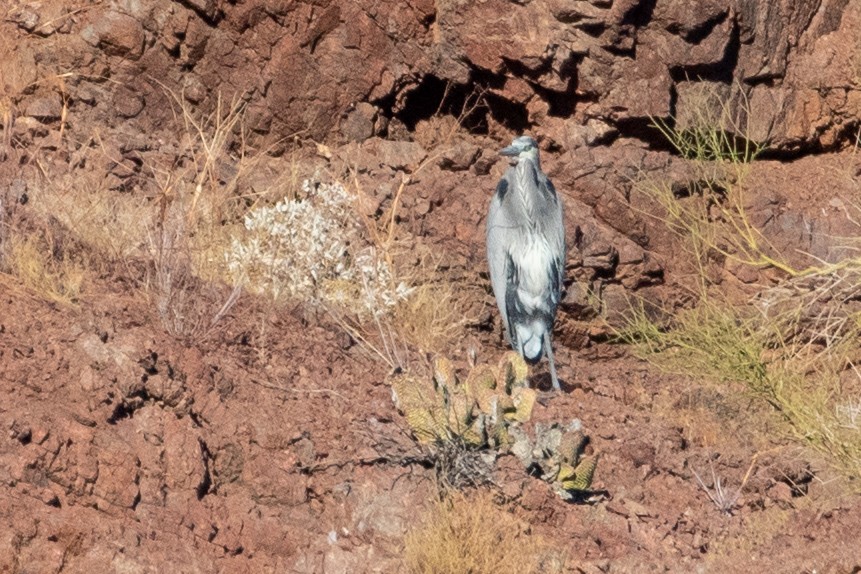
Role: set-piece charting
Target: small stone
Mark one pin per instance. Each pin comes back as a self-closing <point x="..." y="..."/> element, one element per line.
<point x="359" y="123"/>
<point x="339" y="561"/>
<point x="22" y="433"/>
<point x="40" y="435"/>
<point x="617" y="304"/>
<point x="600" y="256"/>
<point x="26" y="19"/>
<point x="113" y="182"/>
<point x="422" y="207"/>
<point x="459" y="157"/>
<point x="46" y="108"/>
<point x="697" y="541"/>
<point x="381" y="125"/>
<point x="630" y="253"/>
<point x="593" y="133"/>
<point x="53" y="140"/>
<point x="18" y="71"/>
<point x="398" y="131"/>
<point x="48" y="497"/>
<point x="193" y="90"/>
<point x="637" y="509"/>
<point x="208" y="8"/>
<point x="744" y="273"/>
<point x="397" y="155"/>
<point x="780" y="492"/>
<point x="116" y="34"/>
<point x="580" y="303"/>
<point x="127" y="103"/>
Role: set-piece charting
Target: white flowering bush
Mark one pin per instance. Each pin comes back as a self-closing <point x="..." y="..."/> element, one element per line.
<point x="310" y="248"/>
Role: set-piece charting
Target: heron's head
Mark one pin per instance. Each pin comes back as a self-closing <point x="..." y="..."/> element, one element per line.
<point x="523" y="147"/>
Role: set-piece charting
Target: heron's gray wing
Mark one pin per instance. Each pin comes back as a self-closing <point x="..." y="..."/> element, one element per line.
<point x="499" y="230"/>
<point x="555" y="233"/>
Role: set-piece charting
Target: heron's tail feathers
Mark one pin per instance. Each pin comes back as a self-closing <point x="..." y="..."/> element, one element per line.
<point x="531" y="340"/>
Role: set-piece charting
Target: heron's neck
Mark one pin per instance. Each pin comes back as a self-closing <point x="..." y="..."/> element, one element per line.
<point x="526" y="182"/>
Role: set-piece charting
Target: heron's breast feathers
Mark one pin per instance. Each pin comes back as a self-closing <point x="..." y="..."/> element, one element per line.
<point x="534" y="270"/>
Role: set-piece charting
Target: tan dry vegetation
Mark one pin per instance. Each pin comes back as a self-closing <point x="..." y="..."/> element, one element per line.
<point x="111" y="225"/>
<point x="471" y="533"/>
<point x="188" y="214"/>
<point x="713" y="416"/>
<point x="755" y="531"/>
<point x="433" y="317"/>
<point x="172" y="224"/>
<point x="195" y="204"/>
<point x="794" y="344"/>
<point x="709" y="213"/>
<point x="812" y="386"/>
<point x="46" y="265"/>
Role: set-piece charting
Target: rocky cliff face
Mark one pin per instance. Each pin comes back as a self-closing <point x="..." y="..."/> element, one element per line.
<point x="586" y="77"/>
<point x="582" y="72"/>
<point x="305" y="66"/>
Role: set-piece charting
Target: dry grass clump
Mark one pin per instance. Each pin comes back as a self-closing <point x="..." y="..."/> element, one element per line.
<point x="196" y="205"/>
<point x="471" y="533"/>
<point x="159" y="234"/>
<point x="46" y="265"/>
<point x="426" y="309"/>
<point x="434" y="317"/>
<point x="112" y="226"/>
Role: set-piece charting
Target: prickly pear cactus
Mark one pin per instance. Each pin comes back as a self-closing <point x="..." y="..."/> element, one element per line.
<point x="559" y="453"/>
<point x="422" y="406"/>
<point x="488" y="409"/>
<point x="575" y="470"/>
<point x="476" y="410"/>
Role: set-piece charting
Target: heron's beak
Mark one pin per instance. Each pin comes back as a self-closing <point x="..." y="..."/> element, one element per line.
<point x="510" y="151"/>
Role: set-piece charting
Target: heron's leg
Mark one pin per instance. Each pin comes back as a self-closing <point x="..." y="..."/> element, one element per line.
<point x="549" y="349"/>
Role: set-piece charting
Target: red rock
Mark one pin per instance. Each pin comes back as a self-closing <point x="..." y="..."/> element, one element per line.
<point x="46" y="108"/>
<point x="116" y="33"/>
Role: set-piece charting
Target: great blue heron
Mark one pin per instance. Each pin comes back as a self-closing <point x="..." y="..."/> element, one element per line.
<point x="526" y="252"/>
